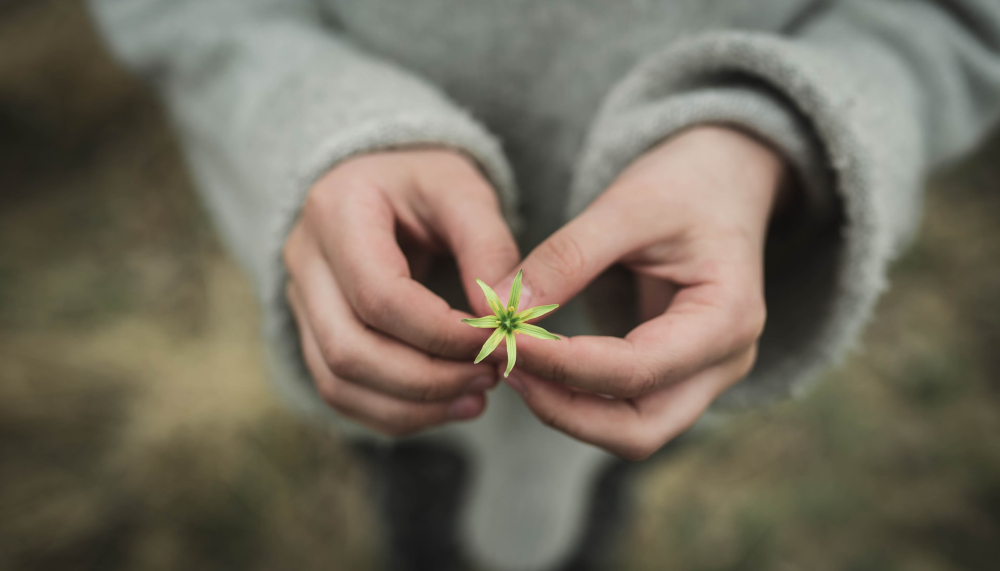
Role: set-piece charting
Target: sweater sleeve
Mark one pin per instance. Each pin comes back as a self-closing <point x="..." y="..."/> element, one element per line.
<point x="863" y="97"/>
<point x="266" y="97"/>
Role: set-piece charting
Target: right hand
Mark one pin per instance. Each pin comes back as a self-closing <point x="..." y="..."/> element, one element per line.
<point x="382" y="348"/>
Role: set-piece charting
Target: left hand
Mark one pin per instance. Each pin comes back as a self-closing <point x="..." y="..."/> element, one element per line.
<point x="689" y="217"/>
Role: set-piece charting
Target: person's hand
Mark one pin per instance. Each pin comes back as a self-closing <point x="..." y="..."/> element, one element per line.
<point x="380" y="346"/>
<point x="689" y="217"/>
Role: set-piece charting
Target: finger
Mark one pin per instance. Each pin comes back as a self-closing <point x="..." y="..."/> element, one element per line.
<point x="634" y="428"/>
<point x="562" y="265"/>
<point x="469" y="218"/>
<point x="366" y="357"/>
<point x="356" y="228"/>
<point x="703" y="326"/>
<point x="377" y="411"/>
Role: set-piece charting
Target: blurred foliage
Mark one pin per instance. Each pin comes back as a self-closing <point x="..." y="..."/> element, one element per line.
<point x="137" y="430"/>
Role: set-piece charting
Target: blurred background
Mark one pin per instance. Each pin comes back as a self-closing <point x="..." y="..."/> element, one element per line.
<point x="138" y="431"/>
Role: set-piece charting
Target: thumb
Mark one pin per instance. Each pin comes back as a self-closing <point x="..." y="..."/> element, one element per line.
<point x="562" y="265"/>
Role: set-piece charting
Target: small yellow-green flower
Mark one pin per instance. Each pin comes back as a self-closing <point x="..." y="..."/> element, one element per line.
<point x="508" y="322"/>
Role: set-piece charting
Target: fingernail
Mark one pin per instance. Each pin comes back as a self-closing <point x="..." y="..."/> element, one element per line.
<point x="525" y="302"/>
<point x="465" y="407"/>
<point x="516" y="384"/>
<point x="482" y="383"/>
<point x="503" y="291"/>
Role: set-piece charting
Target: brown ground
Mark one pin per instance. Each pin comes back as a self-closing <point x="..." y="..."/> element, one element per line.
<point x="137" y="430"/>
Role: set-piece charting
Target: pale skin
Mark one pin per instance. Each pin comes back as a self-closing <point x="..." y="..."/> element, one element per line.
<point x="382" y="348"/>
<point x="689" y="217"/>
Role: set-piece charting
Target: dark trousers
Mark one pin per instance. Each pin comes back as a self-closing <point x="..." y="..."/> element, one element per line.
<point x="419" y="487"/>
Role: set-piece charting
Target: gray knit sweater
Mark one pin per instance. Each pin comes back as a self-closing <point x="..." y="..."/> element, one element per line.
<point x="862" y="97"/>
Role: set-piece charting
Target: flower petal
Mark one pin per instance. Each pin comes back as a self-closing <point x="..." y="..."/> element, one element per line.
<point x="490" y="344"/>
<point x="534" y="331"/>
<point x="515" y="293"/>
<point x="488" y="322"/>
<point x="534" y="312"/>
<point x="491" y="298"/>
<point x="511" y="353"/>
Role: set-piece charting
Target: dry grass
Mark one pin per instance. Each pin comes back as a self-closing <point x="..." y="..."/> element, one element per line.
<point x="137" y="430"/>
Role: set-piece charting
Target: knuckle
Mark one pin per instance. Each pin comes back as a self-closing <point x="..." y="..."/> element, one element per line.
<point x="423" y="391"/>
<point x="558" y="370"/>
<point x="642" y="380"/>
<point x="563" y="255"/>
<point x="319" y="203"/>
<point x="340" y="358"/>
<point x="431" y="386"/>
<point x="371" y="304"/>
<point x="551" y="419"/>
<point x="463" y="164"/>
<point x="484" y="191"/>
<point x="499" y="253"/>
<point x="439" y="342"/>
<point x="459" y="168"/>
<point x="747" y="316"/>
